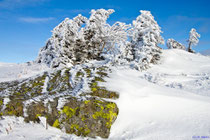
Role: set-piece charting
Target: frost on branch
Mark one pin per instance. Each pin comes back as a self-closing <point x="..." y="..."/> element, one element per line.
<point x="193" y="39"/>
<point x="173" y="44"/>
<point x="103" y="38"/>
<point x="95" y="32"/>
<point x="61" y="48"/>
<point x="72" y="43"/>
<point x="79" y="40"/>
<point x="145" y="39"/>
<point x="115" y="47"/>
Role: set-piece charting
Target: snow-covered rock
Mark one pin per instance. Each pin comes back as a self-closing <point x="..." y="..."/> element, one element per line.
<point x="70" y="98"/>
<point x="173" y="44"/>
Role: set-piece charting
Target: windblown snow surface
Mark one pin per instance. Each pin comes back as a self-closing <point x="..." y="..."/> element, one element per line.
<point x="12" y="71"/>
<point x="169" y="101"/>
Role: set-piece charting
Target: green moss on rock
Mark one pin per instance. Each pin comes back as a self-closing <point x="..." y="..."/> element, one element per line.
<point x="68" y="111"/>
<point x="1" y="102"/>
<point x="58" y="82"/>
<point x="91" y="117"/>
<point x="56" y="123"/>
<point x="1" y="106"/>
<point x="101" y="92"/>
<point x="35" y="110"/>
<point x="53" y="113"/>
<point x="78" y="117"/>
<point x="14" y="108"/>
<point x="88" y="72"/>
<point x="79" y="74"/>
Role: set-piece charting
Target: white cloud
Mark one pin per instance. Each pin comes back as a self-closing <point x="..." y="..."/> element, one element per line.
<point x="192" y="19"/>
<point x="19" y="3"/>
<point x="73" y="11"/>
<point x="35" y="20"/>
<point x="79" y="11"/>
<point x="115" y="7"/>
<point x="203" y="22"/>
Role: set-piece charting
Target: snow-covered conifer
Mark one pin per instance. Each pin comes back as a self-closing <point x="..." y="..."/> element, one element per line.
<point x="61" y="47"/>
<point x="193" y="39"/>
<point x="102" y="37"/>
<point x="72" y="43"/>
<point x="146" y="35"/>
<point x="116" y="42"/>
<point x="94" y="32"/>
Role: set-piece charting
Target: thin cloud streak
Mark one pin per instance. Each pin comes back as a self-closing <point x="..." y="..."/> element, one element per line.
<point x="194" y="19"/>
<point x="203" y="22"/>
<point x="9" y="4"/>
<point x="72" y="11"/>
<point x="78" y="11"/>
<point x="35" y="20"/>
<point x="113" y="7"/>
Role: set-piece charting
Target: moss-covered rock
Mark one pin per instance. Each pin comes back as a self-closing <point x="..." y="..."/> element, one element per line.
<point x="89" y="116"/>
<point x="1" y="106"/>
<point x="14" y="108"/>
<point x="53" y="112"/>
<point x="27" y="89"/>
<point x="101" y="92"/>
<point x="88" y="72"/>
<point x="6" y="85"/>
<point x="34" y="111"/>
<point x="59" y="82"/>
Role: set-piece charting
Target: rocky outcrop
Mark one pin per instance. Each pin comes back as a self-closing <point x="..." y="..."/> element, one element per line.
<point x="59" y="96"/>
<point x="173" y="44"/>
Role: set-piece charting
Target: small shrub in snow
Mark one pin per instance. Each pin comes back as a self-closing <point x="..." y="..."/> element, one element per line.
<point x="173" y="44"/>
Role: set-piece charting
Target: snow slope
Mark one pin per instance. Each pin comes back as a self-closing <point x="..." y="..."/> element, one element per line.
<point x="182" y="70"/>
<point x="169" y="101"/>
<point x="11" y="71"/>
<point x="12" y="128"/>
<point x="152" y="108"/>
<point x="152" y="112"/>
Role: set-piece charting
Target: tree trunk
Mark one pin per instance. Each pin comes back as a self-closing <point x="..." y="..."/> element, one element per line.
<point x="103" y="47"/>
<point x="189" y="47"/>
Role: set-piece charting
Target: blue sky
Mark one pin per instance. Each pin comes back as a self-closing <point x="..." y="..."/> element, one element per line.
<point x="25" y="25"/>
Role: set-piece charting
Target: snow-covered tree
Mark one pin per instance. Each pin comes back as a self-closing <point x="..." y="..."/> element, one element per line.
<point x="79" y="40"/>
<point x="145" y="37"/>
<point x="72" y="43"/>
<point x="173" y="44"/>
<point x="102" y="38"/>
<point x="95" y="30"/>
<point x="61" y="47"/>
<point x="193" y="39"/>
<point x="116" y="42"/>
<point x="100" y="35"/>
